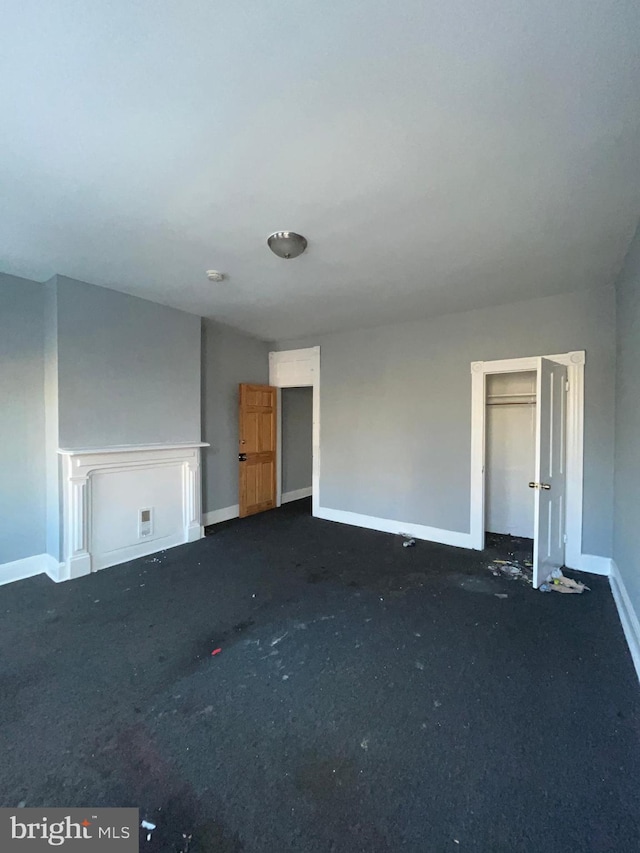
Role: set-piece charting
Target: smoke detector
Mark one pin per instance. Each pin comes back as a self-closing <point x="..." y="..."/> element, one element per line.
<point x="214" y="275"/>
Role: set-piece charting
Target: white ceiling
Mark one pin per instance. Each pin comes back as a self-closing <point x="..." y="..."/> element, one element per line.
<point x="438" y="156"/>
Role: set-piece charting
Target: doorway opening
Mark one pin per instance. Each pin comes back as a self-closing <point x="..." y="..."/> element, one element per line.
<point x="510" y="459"/>
<point x="260" y="448"/>
<point x="296" y="445"/>
<point x="557" y="481"/>
<point x="298" y="369"/>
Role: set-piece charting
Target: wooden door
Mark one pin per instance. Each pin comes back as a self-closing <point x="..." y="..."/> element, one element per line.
<point x="257" y="449"/>
<point x="551" y="412"/>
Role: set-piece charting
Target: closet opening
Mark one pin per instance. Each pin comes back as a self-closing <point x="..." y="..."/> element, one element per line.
<point x="510" y="457"/>
<point x="296" y="455"/>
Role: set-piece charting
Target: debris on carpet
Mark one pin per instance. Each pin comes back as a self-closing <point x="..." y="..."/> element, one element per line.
<point x="186" y="843"/>
<point x="557" y="582"/>
<point x="512" y="569"/>
<point x="146" y="824"/>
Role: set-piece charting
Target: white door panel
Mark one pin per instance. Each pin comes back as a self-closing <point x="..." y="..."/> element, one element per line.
<point x="549" y="483"/>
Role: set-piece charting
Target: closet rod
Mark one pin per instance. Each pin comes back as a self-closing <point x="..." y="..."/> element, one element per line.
<point x="511" y="404"/>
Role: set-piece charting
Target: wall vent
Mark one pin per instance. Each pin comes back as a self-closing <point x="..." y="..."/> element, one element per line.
<point x="145" y="525"/>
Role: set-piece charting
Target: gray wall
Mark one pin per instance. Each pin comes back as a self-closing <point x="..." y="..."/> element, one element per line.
<point x="128" y="369"/>
<point x="297" y="438"/>
<point x="627" y="460"/>
<point x="83" y="366"/>
<point x="22" y="429"/>
<point x="396" y="407"/>
<point x="228" y="358"/>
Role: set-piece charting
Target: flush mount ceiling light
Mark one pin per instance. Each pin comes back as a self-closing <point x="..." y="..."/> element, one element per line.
<point x="214" y="275"/>
<point x="287" y="244"/>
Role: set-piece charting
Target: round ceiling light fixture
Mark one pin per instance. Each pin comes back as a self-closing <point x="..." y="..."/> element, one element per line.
<point x="214" y="275"/>
<point x="287" y="244"/>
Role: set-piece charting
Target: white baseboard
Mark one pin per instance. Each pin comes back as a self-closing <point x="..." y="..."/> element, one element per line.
<point x="53" y="568"/>
<point x="229" y="512"/>
<point x="17" y="570"/>
<point x="38" y="564"/>
<point x="296" y="495"/>
<point x="593" y="564"/>
<point x="81" y="566"/>
<point x="628" y="616"/>
<point x="218" y="515"/>
<point x="387" y="525"/>
<point x="195" y="532"/>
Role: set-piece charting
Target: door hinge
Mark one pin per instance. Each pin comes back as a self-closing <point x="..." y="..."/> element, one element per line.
<point x="566" y="385"/>
<point x="564" y="538"/>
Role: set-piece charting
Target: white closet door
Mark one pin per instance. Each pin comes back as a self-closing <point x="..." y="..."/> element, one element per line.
<point x="549" y="482"/>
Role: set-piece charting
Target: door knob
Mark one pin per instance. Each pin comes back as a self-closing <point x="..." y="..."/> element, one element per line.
<point x="242" y="457"/>
<point x="534" y="485"/>
<point x="545" y="486"/>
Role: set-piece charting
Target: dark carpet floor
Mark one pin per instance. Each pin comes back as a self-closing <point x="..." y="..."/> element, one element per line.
<point x="368" y="697"/>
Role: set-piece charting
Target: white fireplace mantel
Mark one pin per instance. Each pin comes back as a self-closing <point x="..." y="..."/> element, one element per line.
<point x="127" y="448"/>
<point x="101" y="489"/>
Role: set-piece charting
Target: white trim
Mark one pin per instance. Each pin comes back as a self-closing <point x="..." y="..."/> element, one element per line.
<point x="574" y="461"/>
<point x="297" y="494"/>
<point x="627" y="614"/>
<point x="53" y="568"/>
<point x="28" y="567"/>
<point x="388" y="525"/>
<point x="593" y="564"/>
<point x="218" y="515"/>
<point x="299" y="369"/>
<point x="227" y="513"/>
<point x="315" y="475"/>
<point x="128" y="448"/>
<point x="278" y="446"/>
<point x="574" y="362"/>
<point x="17" y="570"/>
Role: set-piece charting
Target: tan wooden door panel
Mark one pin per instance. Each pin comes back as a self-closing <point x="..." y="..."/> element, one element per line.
<point x="257" y="449"/>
